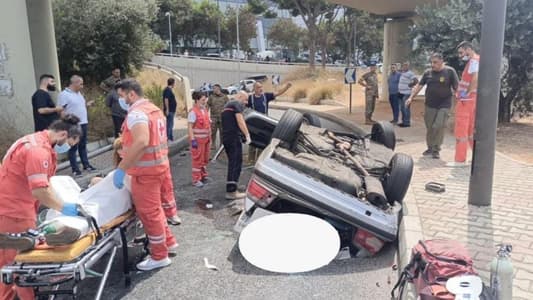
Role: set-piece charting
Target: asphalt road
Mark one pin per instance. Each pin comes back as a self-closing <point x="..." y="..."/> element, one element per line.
<point x="208" y="233"/>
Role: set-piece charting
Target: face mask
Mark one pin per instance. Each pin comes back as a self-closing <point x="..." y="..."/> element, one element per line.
<point x="466" y="58"/>
<point x="62" y="148"/>
<point x="123" y="104"/>
<point x="51" y="87"/>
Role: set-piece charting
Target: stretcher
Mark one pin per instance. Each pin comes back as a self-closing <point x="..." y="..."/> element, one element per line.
<point x="58" y="270"/>
<point x="48" y="270"/>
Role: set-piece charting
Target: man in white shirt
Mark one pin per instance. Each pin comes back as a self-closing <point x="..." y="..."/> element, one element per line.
<point x="73" y="102"/>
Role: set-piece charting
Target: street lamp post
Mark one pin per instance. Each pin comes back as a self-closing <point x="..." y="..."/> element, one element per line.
<point x="218" y="29"/>
<point x="169" y="31"/>
<point x="238" y="47"/>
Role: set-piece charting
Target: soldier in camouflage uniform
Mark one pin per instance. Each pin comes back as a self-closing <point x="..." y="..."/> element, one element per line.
<point x="370" y="81"/>
<point x="216" y="103"/>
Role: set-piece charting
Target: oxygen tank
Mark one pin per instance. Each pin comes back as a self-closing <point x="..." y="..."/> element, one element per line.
<point x="501" y="274"/>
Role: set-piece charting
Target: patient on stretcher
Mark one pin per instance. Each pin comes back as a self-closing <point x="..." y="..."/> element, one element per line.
<point x="101" y="202"/>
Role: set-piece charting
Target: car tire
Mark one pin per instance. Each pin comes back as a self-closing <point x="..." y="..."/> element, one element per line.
<point x="311" y="119"/>
<point x="288" y="127"/>
<point x="383" y="133"/>
<point x="397" y="180"/>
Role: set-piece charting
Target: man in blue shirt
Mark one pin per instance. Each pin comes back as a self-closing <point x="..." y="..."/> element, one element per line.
<point x="169" y="107"/>
<point x="259" y="100"/>
<point x="394" y="96"/>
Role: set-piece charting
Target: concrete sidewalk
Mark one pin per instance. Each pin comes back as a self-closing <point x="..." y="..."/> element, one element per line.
<point x="429" y="215"/>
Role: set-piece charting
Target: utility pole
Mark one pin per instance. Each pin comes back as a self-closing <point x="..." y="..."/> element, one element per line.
<point x="169" y="31"/>
<point x="492" y="35"/>
<point x="238" y="47"/>
<point x="218" y="29"/>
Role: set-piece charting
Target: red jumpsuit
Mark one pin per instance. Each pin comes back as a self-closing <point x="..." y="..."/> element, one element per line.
<point x="201" y="129"/>
<point x="167" y="196"/>
<point x="147" y="175"/>
<point x="465" y="111"/>
<point x="28" y="165"/>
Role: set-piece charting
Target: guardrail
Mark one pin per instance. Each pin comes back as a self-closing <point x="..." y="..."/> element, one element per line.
<point x="275" y="63"/>
<point x="185" y="83"/>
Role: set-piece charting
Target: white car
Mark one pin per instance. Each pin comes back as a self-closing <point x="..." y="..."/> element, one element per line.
<point x="246" y="84"/>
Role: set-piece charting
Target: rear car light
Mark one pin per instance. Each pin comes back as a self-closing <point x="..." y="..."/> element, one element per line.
<point x="259" y="193"/>
<point x="366" y="242"/>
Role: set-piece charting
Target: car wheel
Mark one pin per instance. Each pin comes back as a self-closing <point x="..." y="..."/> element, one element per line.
<point x="311" y="119"/>
<point x="288" y="126"/>
<point x="396" y="182"/>
<point x="383" y="133"/>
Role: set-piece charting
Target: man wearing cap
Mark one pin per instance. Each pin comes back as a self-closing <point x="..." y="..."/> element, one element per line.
<point x="370" y="81"/>
<point x="216" y="103"/>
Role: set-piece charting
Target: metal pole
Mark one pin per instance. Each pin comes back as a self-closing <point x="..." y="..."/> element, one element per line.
<point x="350" y="98"/>
<point x="492" y="34"/>
<point x="218" y="29"/>
<point x="238" y="47"/>
<point x="170" y="32"/>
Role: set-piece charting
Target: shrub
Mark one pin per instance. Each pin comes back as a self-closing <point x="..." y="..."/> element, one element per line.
<point x="321" y="93"/>
<point x="299" y="93"/>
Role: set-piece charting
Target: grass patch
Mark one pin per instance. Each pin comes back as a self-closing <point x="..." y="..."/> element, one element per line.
<point x="324" y="91"/>
<point x="299" y="93"/>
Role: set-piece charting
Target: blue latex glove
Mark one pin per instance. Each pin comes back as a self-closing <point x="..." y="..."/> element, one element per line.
<point x="194" y="144"/>
<point x="70" y="209"/>
<point x="118" y="178"/>
<point x="463" y="94"/>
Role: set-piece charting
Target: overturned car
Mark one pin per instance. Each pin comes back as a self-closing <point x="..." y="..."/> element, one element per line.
<point x="352" y="179"/>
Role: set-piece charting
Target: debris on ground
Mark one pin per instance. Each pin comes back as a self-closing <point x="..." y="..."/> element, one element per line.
<point x="209" y="266"/>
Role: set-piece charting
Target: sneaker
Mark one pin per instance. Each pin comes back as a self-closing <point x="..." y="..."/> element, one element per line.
<point x="18" y="241"/>
<point x="207" y="179"/>
<point x="90" y="169"/>
<point x="173" y="250"/>
<point x="77" y="174"/>
<point x="235" y="195"/>
<point x="428" y="152"/>
<point x="174" y="220"/>
<point x="435" y="155"/>
<point x="151" y="264"/>
<point x="404" y="125"/>
<point x="457" y="164"/>
<point x="198" y="184"/>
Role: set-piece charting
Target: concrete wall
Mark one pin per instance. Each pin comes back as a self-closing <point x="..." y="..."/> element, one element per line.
<point x="224" y="72"/>
<point x="17" y="75"/>
<point x="396" y="47"/>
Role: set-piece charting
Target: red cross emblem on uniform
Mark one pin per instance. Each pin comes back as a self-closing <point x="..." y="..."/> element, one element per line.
<point x="161" y="127"/>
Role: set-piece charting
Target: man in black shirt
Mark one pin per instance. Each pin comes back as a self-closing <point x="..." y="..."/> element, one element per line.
<point x="169" y="109"/>
<point x="44" y="109"/>
<point x="233" y="127"/>
<point x="118" y="114"/>
<point x="441" y="82"/>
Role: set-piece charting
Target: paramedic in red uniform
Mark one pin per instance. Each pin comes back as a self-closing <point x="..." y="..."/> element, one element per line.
<point x="24" y="177"/>
<point x="200" y="138"/>
<point x="145" y="149"/>
<point x="465" y="108"/>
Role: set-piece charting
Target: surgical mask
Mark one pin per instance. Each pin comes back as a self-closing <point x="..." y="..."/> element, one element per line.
<point x="62" y="148"/>
<point x="466" y="58"/>
<point x="51" y="88"/>
<point x="123" y="104"/>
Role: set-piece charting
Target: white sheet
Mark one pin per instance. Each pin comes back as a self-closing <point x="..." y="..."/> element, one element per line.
<point x="102" y="201"/>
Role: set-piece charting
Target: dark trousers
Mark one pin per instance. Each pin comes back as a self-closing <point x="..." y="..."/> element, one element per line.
<point x="117" y="124"/>
<point x="81" y="147"/>
<point x="170" y="125"/>
<point x="394" y="99"/>
<point x="233" y="147"/>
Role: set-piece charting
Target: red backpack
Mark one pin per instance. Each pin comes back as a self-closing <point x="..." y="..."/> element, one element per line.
<point x="432" y="263"/>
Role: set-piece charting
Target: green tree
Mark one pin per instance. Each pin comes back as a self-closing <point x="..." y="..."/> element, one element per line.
<point x="180" y="19"/>
<point x="204" y="22"/>
<point x="444" y="28"/>
<point x="286" y="34"/>
<point x="247" y="28"/>
<point x="311" y="11"/>
<point x="94" y="35"/>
